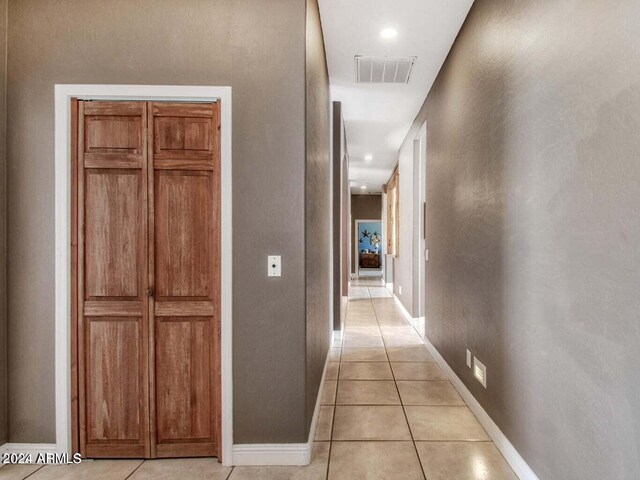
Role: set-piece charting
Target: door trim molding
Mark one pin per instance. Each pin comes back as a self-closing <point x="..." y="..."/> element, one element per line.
<point x="63" y="94"/>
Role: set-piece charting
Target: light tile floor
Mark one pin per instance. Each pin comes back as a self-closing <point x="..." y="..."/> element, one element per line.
<point x="388" y="412"/>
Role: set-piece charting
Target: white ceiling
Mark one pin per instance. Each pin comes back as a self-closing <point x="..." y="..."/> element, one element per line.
<point x="378" y="117"/>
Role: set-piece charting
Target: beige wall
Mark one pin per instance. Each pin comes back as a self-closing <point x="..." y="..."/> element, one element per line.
<point x="533" y="184"/>
<point x="256" y="47"/>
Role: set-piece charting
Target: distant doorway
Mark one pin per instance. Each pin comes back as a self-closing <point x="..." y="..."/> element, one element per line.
<point x="420" y="251"/>
<point x="368" y="248"/>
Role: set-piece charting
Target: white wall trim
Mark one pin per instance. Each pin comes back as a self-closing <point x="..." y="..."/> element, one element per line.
<point x="32" y="448"/>
<point x="509" y="452"/>
<point x="63" y="95"/>
<point x="511" y="455"/>
<point x="416" y="322"/>
<point x="402" y="308"/>
<point x="343" y="314"/>
<point x="283" y="453"/>
<point x="272" y="454"/>
<point x="390" y="287"/>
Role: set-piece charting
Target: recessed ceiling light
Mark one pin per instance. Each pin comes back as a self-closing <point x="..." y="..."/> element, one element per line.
<point x="389" y="33"/>
<point x="363" y="187"/>
<point x="368" y="157"/>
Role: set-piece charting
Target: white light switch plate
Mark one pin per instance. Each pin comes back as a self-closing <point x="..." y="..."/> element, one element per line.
<point x="274" y="266"/>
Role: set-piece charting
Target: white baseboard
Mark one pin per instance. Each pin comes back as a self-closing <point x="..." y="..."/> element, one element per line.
<point x="31" y="448"/>
<point x="416" y="322"/>
<point x="419" y="324"/>
<point x="509" y="452"/>
<point x="272" y="454"/>
<point x="241" y="454"/>
<point x="390" y="287"/>
<point x="343" y="311"/>
<point x="404" y="311"/>
<point x="282" y="453"/>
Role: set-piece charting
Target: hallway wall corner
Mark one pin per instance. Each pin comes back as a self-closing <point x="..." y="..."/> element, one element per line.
<point x="318" y="209"/>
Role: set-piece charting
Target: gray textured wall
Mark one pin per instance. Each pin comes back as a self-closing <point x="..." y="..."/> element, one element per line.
<point x="363" y="207"/>
<point x="533" y="227"/>
<point x="318" y="206"/>
<point x="403" y="263"/>
<point x="338" y="190"/>
<point x="256" y="47"/>
<point x="4" y="432"/>
<point x="346" y="215"/>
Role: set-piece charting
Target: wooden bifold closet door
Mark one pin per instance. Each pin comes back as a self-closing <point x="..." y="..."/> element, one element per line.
<point x="146" y="207"/>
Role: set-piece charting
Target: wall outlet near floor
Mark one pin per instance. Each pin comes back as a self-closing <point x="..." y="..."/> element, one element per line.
<point x="480" y="372"/>
<point x="274" y="266"/>
<point x="468" y="358"/>
<point x="400" y="289"/>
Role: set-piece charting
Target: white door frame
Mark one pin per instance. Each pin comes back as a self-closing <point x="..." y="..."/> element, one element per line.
<point x="356" y="244"/>
<point x="420" y="236"/>
<point x="63" y="95"/>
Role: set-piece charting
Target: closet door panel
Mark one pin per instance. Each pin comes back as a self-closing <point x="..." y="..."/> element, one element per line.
<point x="183" y="386"/>
<point x="113" y="337"/>
<point x="184" y="230"/>
<point x="185" y="263"/>
<point x="114" y="134"/>
<point x="115" y="352"/>
<point x="147" y="209"/>
<point x="185" y="136"/>
<point x="113" y="232"/>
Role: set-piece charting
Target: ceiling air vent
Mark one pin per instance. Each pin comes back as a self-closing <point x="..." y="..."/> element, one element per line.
<point x="383" y="69"/>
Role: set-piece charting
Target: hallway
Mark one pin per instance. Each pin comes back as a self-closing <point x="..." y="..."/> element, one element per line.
<point x="395" y="415"/>
<point x="388" y="412"/>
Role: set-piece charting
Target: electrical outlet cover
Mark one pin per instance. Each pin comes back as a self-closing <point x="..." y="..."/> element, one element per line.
<point x="480" y="372"/>
<point x="274" y="266"/>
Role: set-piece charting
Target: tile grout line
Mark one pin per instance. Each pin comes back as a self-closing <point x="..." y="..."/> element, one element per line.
<point x="333" y="416"/>
<point x="135" y="470"/>
<point x="373" y="440"/>
<point x="34" y="472"/>
<point x="385" y="379"/>
<point x="395" y="382"/>
<point x="333" y="419"/>
<point x="230" y="472"/>
<point x="335" y="406"/>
